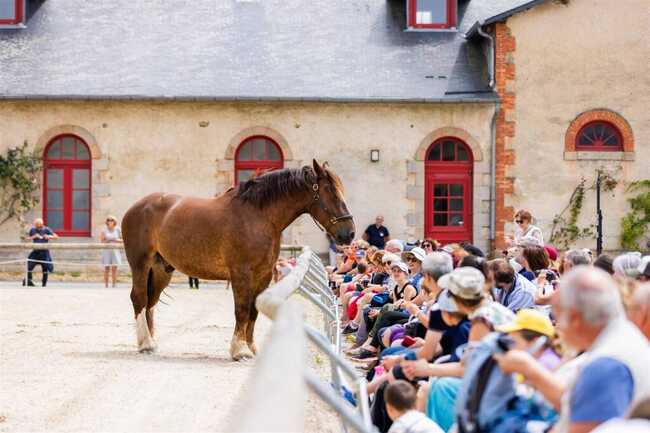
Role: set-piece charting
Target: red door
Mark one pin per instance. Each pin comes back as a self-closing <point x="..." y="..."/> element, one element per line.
<point x="448" y="191"/>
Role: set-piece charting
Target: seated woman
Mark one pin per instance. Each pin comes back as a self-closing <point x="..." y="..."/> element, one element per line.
<point x="377" y="295"/>
<point x="434" y="266"/>
<point x="371" y="283"/>
<point x="403" y="292"/>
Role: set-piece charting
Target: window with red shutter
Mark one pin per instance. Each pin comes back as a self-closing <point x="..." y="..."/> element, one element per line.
<point x="255" y="156"/>
<point x="67" y="186"/>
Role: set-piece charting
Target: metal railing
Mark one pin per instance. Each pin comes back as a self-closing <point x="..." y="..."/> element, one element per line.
<point x="278" y="394"/>
<point x="20" y="260"/>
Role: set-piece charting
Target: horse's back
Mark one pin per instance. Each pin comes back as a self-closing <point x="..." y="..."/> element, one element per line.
<point x="141" y="221"/>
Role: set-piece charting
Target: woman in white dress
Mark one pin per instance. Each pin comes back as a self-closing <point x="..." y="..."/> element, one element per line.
<point x="111" y="259"/>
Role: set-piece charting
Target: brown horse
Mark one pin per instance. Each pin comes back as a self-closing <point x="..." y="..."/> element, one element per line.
<point x="235" y="236"/>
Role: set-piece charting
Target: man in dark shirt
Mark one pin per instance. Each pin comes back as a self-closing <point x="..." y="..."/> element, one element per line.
<point x="40" y="234"/>
<point x="376" y="234"/>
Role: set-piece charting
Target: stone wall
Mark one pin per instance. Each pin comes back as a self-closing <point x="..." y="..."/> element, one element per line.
<point x="587" y="60"/>
<point x="188" y="148"/>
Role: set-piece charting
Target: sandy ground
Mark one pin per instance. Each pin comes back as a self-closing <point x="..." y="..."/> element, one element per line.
<point x="68" y="362"/>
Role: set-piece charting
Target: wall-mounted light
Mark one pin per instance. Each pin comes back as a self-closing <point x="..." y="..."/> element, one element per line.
<point x="374" y="155"/>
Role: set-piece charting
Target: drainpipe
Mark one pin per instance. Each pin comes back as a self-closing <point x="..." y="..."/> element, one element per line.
<point x="493" y="135"/>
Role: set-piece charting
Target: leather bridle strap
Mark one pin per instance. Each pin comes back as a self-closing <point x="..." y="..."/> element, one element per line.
<point x="333" y="220"/>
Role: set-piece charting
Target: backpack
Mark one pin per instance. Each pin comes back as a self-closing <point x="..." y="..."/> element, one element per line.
<point x="487" y="399"/>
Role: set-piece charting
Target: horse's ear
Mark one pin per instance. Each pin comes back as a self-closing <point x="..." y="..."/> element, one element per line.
<point x="320" y="173"/>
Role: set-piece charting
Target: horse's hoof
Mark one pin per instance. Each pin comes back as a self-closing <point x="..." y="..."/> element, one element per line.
<point x="240" y="351"/>
<point x="147" y="347"/>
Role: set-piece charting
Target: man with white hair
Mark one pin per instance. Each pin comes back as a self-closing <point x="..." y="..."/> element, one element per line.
<point x="40" y="234"/>
<point x="614" y="373"/>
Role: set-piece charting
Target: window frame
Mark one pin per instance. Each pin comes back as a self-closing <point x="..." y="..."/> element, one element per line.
<point x="450" y="24"/>
<point x="599" y="148"/>
<point x="449" y="172"/>
<point x="18" y="20"/>
<point x="257" y="165"/>
<point x="68" y="165"/>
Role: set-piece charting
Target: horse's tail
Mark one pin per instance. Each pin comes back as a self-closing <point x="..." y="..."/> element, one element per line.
<point x="150" y="284"/>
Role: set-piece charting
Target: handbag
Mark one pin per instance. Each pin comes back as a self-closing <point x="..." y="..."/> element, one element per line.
<point x="379" y="300"/>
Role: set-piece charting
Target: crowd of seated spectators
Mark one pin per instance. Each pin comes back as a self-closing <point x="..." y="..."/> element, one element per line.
<point x="527" y="340"/>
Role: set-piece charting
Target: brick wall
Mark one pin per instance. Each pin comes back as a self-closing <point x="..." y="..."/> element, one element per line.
<point x="505" y="127"/>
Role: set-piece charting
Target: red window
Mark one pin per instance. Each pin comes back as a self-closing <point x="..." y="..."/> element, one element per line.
<point x="66" y="192"/>
<point x="432" y="14"/>
<point x="448" y="189"/>
<point x="11" y="12"/>
<point x="599" y="136"/>
<point x="256" y="155"/>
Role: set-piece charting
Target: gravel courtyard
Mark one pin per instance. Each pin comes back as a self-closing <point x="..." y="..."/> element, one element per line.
<point x="69" y="362"/>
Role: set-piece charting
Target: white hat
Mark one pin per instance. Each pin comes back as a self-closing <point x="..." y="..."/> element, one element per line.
<point x="401" y="265"/>
<point x="390" y="257"/>
<point x="465" y="282"/>
<point x="416" y="252"/>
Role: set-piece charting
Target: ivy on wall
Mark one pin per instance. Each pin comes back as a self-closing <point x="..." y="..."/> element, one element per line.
<point x="634" y="225"/>
<point x="19" y="179"/>
<point x="565" y="230"/>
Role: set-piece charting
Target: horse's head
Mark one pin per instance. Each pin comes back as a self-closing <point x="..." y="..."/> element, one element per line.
<point x="328" y="207"/>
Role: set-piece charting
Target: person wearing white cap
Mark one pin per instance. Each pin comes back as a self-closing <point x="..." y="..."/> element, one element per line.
<point x="413" y="259"/>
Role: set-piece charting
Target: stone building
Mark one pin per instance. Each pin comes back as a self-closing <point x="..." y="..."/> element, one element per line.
<point x="443" y="115"/>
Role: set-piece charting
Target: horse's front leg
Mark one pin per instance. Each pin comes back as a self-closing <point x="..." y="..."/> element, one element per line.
<point x="263" y="283"/>
<point x="238" y="346"/>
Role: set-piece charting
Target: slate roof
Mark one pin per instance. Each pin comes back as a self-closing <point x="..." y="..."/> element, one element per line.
<point x="240" y="50"/>
<point x="484" y="12"/>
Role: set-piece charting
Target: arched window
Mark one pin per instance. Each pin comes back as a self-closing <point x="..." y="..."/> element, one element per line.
<point x="448" y="188"/>
<point x="256" y="155"/>
<point x="66" y="192"/>
<point x="599" y="136"/>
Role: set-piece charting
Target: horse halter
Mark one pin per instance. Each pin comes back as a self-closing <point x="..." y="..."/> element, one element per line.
<point x="333" y="220"/>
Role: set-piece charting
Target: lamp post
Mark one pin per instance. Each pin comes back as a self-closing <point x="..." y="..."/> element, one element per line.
<point x="599" y="221"/>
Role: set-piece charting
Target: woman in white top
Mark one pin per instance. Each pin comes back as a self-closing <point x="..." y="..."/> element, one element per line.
<point x="111" y="233"/>
<point x="525" y="233"/>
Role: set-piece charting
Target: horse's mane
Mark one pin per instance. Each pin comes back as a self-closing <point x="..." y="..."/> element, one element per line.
<point x="262" y="190"/>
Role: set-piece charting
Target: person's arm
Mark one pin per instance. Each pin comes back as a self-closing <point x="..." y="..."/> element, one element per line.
<point x="51" y="235"/>
<point x="421" y="368"/>
<point x="409" y="293"/>
<point x="387" y="237"/>
<point x="431" y="342"/>
<point x="365" y="236"/>
<point x="33" y="234"/>
<point x="102" y="238"/>
<point x="519" y="361"/>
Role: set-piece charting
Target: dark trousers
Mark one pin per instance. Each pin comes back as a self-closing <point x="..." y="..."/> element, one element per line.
<point x="40" y="256"/>
<point x="194" y="282"/>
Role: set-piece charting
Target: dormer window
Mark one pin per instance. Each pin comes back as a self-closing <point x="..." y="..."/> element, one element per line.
<point x="12" y="13"/>
<point x="431" y="14"/>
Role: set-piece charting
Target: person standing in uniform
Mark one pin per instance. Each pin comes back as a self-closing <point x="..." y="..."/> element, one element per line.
<point x="111" y="259"/>
<point x="40" y="234"/>
<point x="376" y="234"/>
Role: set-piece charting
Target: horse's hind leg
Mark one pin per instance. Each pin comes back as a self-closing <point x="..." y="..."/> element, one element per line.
<point x="159" y="278"/>
<point x="139" y="299"/>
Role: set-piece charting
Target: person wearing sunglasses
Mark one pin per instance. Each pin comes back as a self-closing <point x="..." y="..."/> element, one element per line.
<point x="429" y="245"/>
<point x="526" y="232"/>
